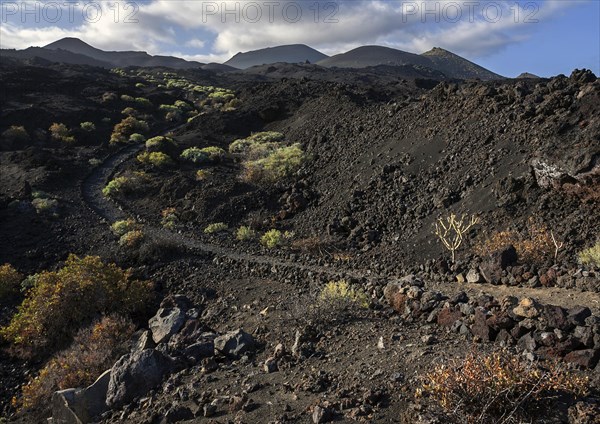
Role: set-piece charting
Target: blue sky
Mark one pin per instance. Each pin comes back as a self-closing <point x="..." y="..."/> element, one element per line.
<point x="545" y="37"/>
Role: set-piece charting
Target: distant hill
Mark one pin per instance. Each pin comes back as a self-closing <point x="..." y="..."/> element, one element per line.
<point x="452" y="65"/>
<point x="119" y="59"/>
<point x="294" y="53"/>
<point x="365" y="56"/>
<point x="527" y="75"/>
<point x="455" y="66"/>
<point x="59" y="55"/>
<point x="218" y="67"/>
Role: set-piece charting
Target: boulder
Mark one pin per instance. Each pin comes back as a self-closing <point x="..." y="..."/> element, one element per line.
<point x="166" y="323"/>
<point x="578" y="315"/>
<point x="447" y="317"/>
<point x="395" y="295"/>
<point x="135" y="374"/>
<point x="234" y="343"/>
<point x="527" y="308"/>
<point x="555" y="317"/>
<point x="80" y="406"/>
<point x="491" y="269"/>
<point x="473" y="277"/>
<point x="587" y="358"/>
<point x="481" y="329"/>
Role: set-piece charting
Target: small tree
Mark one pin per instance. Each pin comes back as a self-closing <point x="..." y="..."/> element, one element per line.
<point x="451" y="231"/>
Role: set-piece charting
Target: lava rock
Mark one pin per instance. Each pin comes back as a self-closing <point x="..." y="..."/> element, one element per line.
<point x="587" y="358"/>
<point x="234" y="343"/>
<point x="166" y="323"/>
<point x="135" y="374"/>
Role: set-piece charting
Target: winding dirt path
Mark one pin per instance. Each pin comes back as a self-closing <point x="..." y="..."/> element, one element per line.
<point x="109" y="211"/>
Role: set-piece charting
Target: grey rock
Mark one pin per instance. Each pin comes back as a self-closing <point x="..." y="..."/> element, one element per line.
<point x="81" y="405"/>
<point x="145" y="341"/>
<point x="473" y="277"/>
<point x="234" y="343"/>
<point x="165" y="323"/>
<point x="135" y="374"/>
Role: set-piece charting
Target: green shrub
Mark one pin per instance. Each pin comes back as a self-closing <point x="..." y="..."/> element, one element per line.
<point x="63" y="301"/>
<point x="109" y="97"/>
<point x="131" y="239"/>
<point x="116" y="186"/>
<point x="128" y="126"/>
<point x="340" y="292"/>
<point x="202" y="174"/>
<point x="94" y="349"/>
<point x="262" y="141"/>
<point x="137" y="138"/>
<point x="160" y="144"/>
<point x="169" y="108"/>
<point x="216" y="227"/>
<point x="88" y="126"/>
<point x="591" y="256"/>
<point x="214" y="153"/>
<point x="16" y="134"/>
<point x="45" y="205"/>
<point x="60" y="132"/>
<point x="277" y="165"/>
<point x="195" y="155"/>
<point x="245" y="233"/>
<point x="127" y="98"/>
<point x="143" y="102"/>
<point x="181" y="105"/>
<point x="129" y="111"/>
<point x="95" y="162"/>
<point x="157" y="159"/>
<point x="119" y="228"/>
<point x="272" y="238"/>
<point x="169" y="218"/>
<point x="140" y="85"/>
<point x="10" y="280"/>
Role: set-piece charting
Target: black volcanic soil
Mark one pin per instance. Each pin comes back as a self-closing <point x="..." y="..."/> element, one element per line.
<point x="387" y="157"/>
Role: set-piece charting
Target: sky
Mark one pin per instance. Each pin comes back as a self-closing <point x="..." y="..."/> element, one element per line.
<point x="544" y="37"/>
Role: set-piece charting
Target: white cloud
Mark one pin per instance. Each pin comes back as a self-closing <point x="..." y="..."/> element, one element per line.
<point x="402" y="24"/>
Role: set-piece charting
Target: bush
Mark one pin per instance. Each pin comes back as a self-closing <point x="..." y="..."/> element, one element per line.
<point x="214" y="153"/>
<point x="94" y="349"/>
<point x="269" y="138"/>
<point x="534" y="246"/>
<point x="16" y="134"/>
<point x="181" y="105"/>
<point x="143" y="102"/>
<point x="127" y="98"/>
<point x="140" y="85"/>
<point x="590" y="257"/>
<point x="10" y="280"/>
<point x="119" y="228"/>
<point x="131" y="239"/>
<point x="169" y="218"/>
<point x="202" y="174"/>
<point x="116" y="186"/>
<point x="486" y="387"/>
<point x="160" y="144"/>
<point x="45" y="206"/>
<point x="157" y="159"/>
<point x="216" y="227"/>
<point x="61" y="302"/>
<point x="109" y="97"/>
<point x="195" y="155"/>
<point x="277" y="165"/>
<point x="129" y="111"/>
<point x="88" y="126"/>
<point x="60" y="132"/>
<point x="128" y="126"/>
<point x="341" y="294"/>
<point x="272" y="238"/>
<point x="137" y="138"/>
<point x="245" y="233"/>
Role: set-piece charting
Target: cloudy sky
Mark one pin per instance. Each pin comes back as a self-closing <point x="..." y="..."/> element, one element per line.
<point x="545" y="37"/>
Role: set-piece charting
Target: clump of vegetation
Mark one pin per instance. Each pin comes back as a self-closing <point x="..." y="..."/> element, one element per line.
<point x="10" y="280"/>
<point x="535" y="245"/>
<point x="215" y="227"/>
<point x="157" y="159"/>
<point x="202" y="174"/>
<point x="195" y="155"/>
<point x="590" y="257"/>
<point x="143" y="102"/>
<point x="115" y="186"/>
<point x="88" y="126"/>
<point x="16" y="134"/>
<point x="60" y="132"/>
<point x="265" y="141"/>
<point x="129" y="111"/>
<point x="140" y="85"/>
<point x="341" y="293"/>
<point x="119" y="228"/>
<point x="45" y="206"/>
<point x="137" y="138"/>
<point x="498" y="387"/>
<point x="94" y="349"/>
<point x="109" y="96"/>
<point x="215" y="154"/>
<point x="279" y="164"/>
<point x="160" y="144"/>
<point x="272" y="238"/>
<point x="127" y="98"/>
<point x="61" y="302"/>
<point x="128" y="126"/>
<point x="169" y="218"/>
<point x="245" y="233"/>
<point x="132" y="239"/>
